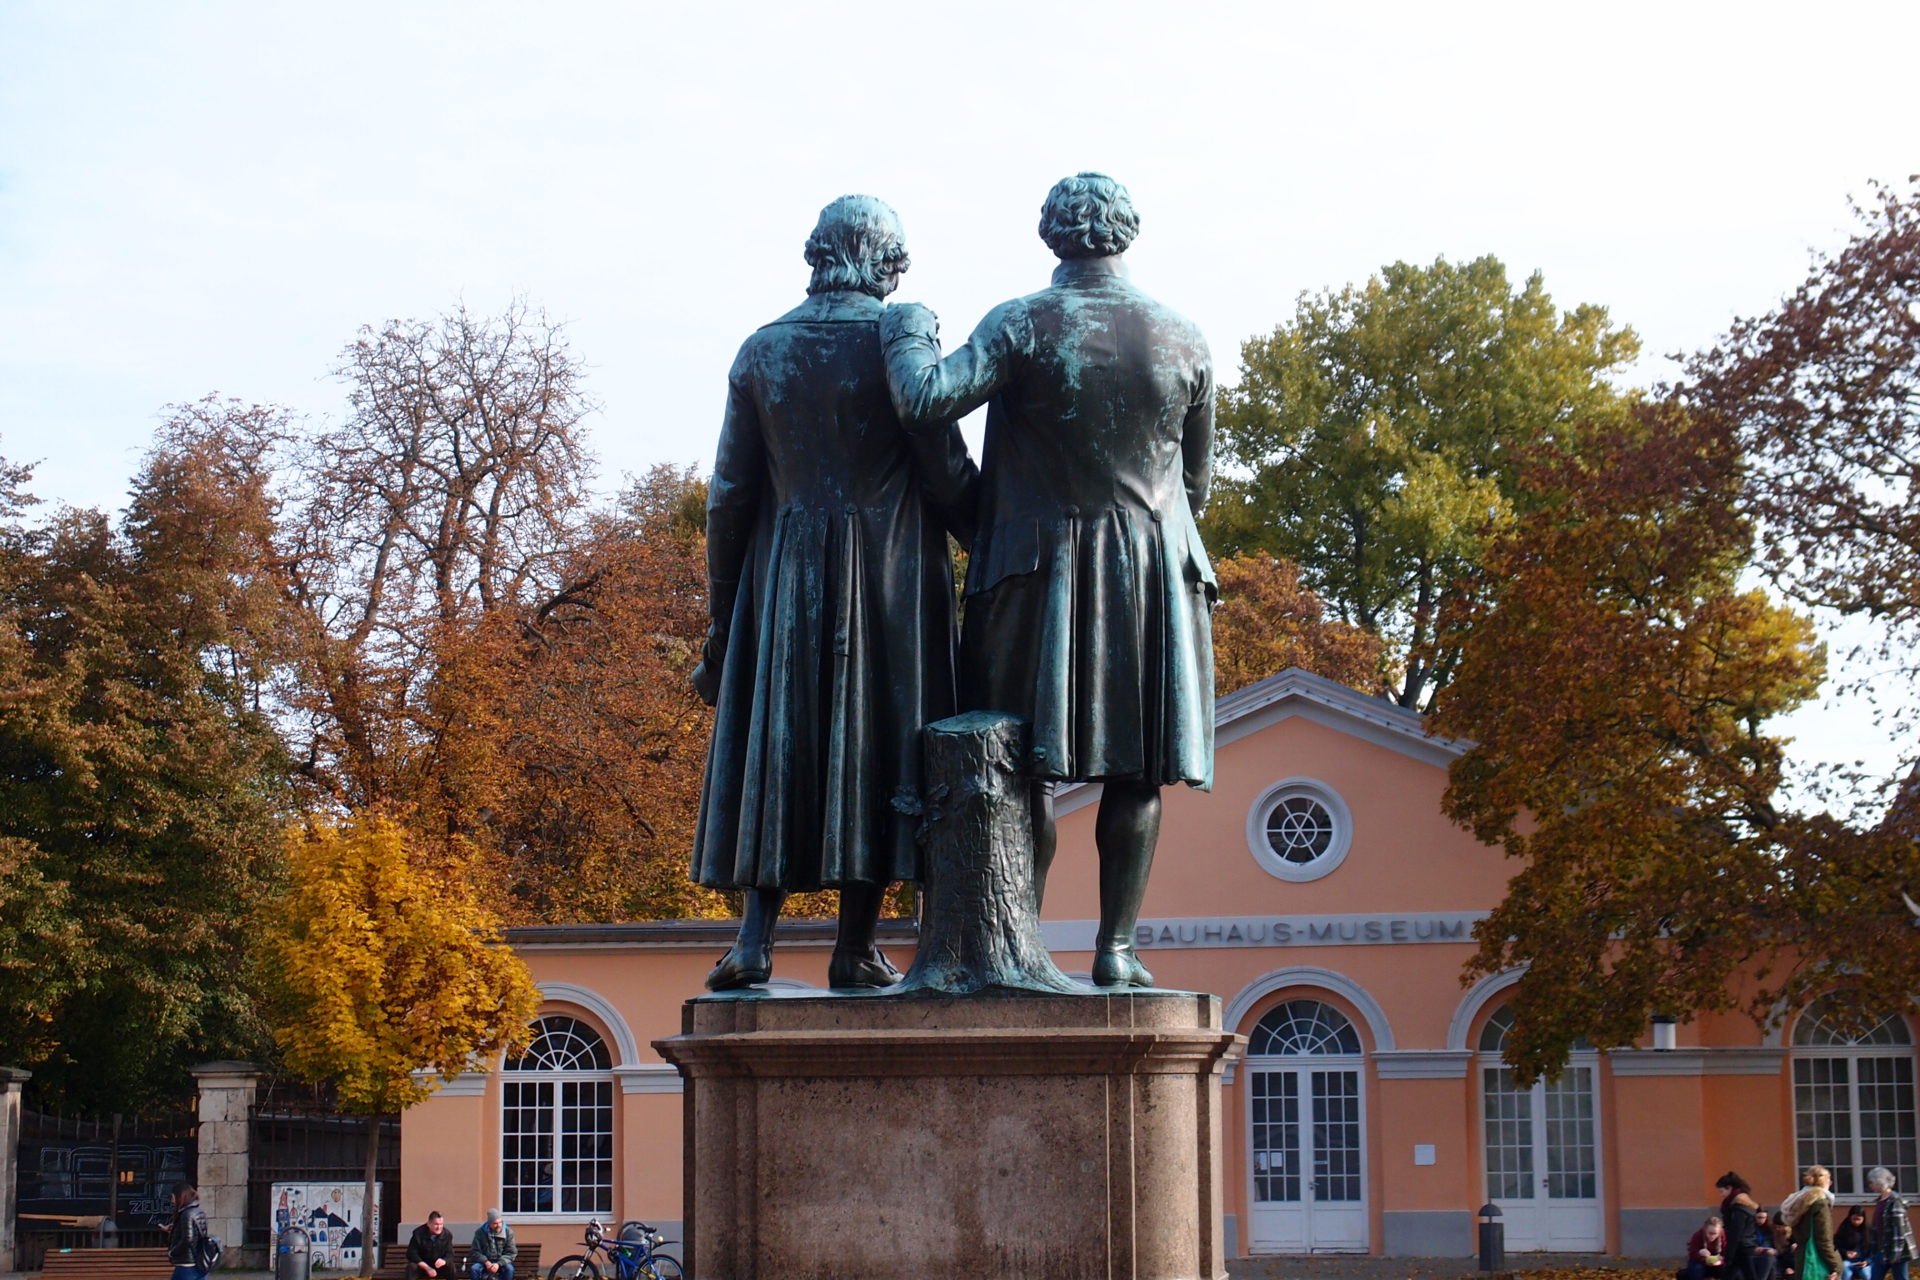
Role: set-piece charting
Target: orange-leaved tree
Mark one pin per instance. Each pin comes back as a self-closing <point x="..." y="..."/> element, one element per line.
<point x="1824" y="391"/>
<point x="447" y="494"/>
<point x="1267" y="621"/>
<point x="387" y="971"/>
<point x="574" y="744"/>
<point x="1616" y="680"/>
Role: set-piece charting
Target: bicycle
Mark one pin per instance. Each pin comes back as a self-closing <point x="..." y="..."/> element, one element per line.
<point x="632" y="1258"/>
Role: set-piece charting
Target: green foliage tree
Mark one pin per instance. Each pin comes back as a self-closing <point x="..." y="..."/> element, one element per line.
<point x="1616" y="681"/>
<point x="385" y="962"/>
<point x="1374" y="440"/>
<point x="140" y="783"/>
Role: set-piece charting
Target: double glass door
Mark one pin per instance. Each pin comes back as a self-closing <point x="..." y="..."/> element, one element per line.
<point x="1309" y="1184"/>
<point x="1542" y="1155"/>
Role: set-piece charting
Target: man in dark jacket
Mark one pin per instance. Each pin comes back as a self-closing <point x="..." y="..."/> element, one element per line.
<point x="831" y="594"/>
<point x="188" y="1234"/>
<point x="430" y="1250"/>
<point x="1088" y="593"/>
<point x="493" y="1249"/>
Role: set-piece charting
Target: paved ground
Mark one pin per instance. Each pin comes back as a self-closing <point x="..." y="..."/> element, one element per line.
<point x="1351" y="1267"/>
<point x="1324" y="1267"/>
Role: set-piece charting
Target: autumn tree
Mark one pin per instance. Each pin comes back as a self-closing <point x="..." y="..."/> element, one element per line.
<point x="1374" y="439"/>
<point x="141" y="784"/>
<point x="577" y="740"/>
<point x="1267" y="622"/>
<point x="449" y="493"/>
<point x="387" y="971"/>
<point x="1825" y="392"/>
<point x="1617" y="682"/>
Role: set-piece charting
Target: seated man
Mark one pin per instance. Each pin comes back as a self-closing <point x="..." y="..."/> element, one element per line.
<point x="493" y="1249"/>
<point x="430" y="1250"/>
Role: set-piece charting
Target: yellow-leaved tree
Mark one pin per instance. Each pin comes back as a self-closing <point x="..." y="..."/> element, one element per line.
<point x="387" y="973"/>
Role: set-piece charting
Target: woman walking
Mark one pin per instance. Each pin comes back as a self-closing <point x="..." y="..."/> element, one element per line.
<point x="1892" y="1232"/>
<point x="1808" y="1214"/>
<point x="1737" y="1207"/>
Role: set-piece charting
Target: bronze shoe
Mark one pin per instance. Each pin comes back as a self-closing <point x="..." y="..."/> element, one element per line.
<point x="1119" y="967"/>
<point x="734" y="972"/>
<point x="871" y="969"/>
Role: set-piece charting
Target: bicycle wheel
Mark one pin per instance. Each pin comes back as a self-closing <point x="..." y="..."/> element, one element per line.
<point x="662" y="1267"/>
<point x="574" y="1267"/>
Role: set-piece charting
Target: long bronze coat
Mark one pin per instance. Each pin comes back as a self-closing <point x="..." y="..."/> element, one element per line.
<point x="832" y="583"/>
<point x="1089" y="592"/>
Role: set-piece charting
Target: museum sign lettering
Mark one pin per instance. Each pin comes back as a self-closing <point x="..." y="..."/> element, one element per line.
<point x="1345" y="930"/>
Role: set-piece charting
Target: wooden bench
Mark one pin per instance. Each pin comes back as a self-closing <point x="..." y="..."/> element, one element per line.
<point x="525" y="1267"/>
<point x="113" y="1264"/>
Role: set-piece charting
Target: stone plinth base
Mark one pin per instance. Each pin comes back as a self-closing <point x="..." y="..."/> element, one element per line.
<point x="1037" y="1137"/>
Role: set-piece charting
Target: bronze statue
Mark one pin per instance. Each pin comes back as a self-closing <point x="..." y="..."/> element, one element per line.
<point x="1088" y="592"/>
<point x="832" y="634"/>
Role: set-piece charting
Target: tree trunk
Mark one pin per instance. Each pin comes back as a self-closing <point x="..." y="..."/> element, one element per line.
<point x="981" y="925"/>
<point x="369" y="1204"/>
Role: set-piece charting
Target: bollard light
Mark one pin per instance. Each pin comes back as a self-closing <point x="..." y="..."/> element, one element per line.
<point x="1493" y="1238"/>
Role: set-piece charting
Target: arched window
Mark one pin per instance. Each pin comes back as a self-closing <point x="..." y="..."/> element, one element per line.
<point x="1302" y="1027"/>
<point x="1303" y="1093"/>
<point x="1493" y="1038"/>
<point x="556" y="1123"/>
<point x="1853" y="1098"/>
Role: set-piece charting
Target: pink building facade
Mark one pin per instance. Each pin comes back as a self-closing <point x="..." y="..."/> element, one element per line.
<point x="1321" y="894"/>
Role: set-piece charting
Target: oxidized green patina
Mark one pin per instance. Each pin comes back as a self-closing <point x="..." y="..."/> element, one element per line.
<point x="1088" y="592"/>
<point x="832" y="640"/>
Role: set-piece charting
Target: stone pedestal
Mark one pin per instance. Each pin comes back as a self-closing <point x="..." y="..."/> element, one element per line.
<point x="1045" y="1137"/>
<point x="12" y="1080"/>
<point x="225" y="1140"/>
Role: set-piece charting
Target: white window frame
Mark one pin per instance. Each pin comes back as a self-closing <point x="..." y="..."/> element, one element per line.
<point x="1340" y="819"/>
<point x="602" y="1077"/>
<point x="1305" y="1064"/>
<point x="1849" y="1180"/>
<point x="1581" y="1055"/>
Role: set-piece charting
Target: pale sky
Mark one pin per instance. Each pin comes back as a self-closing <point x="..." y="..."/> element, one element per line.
<point x="212" y="197"/>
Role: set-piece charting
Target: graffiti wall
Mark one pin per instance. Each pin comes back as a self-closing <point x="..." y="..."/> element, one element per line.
<point x="334" y="1216"/>
<point x="75" y="1177"/>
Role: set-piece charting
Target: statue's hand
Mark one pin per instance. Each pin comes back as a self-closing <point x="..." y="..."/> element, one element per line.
<point x="908" y="319"/>
<point x="706" y="676"/>
<point x="706" y="682"/>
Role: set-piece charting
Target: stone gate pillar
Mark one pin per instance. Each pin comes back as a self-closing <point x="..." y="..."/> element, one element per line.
<point x="11" y="1081"/>
<point x="226" y="1136"/>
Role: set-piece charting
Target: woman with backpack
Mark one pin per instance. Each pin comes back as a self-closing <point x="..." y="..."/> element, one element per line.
<point x="187" y="1237"/>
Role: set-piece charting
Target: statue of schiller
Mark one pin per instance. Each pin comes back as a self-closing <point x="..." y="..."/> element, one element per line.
<point x="1088" y="594"/>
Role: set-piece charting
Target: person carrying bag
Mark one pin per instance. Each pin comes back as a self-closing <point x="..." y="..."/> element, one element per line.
<point x="1808" y="1214"/>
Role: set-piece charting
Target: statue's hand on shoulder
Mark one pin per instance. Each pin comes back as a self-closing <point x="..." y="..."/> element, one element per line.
<point x="908" y="320"/>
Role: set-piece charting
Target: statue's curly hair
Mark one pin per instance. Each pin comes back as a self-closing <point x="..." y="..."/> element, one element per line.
<point x="857" y="244"/>
<point x="1088" y="216"/>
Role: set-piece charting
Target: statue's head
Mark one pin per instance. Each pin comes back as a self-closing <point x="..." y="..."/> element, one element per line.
<point x="1088" y="216"/>
<point x="858" y="245"/>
